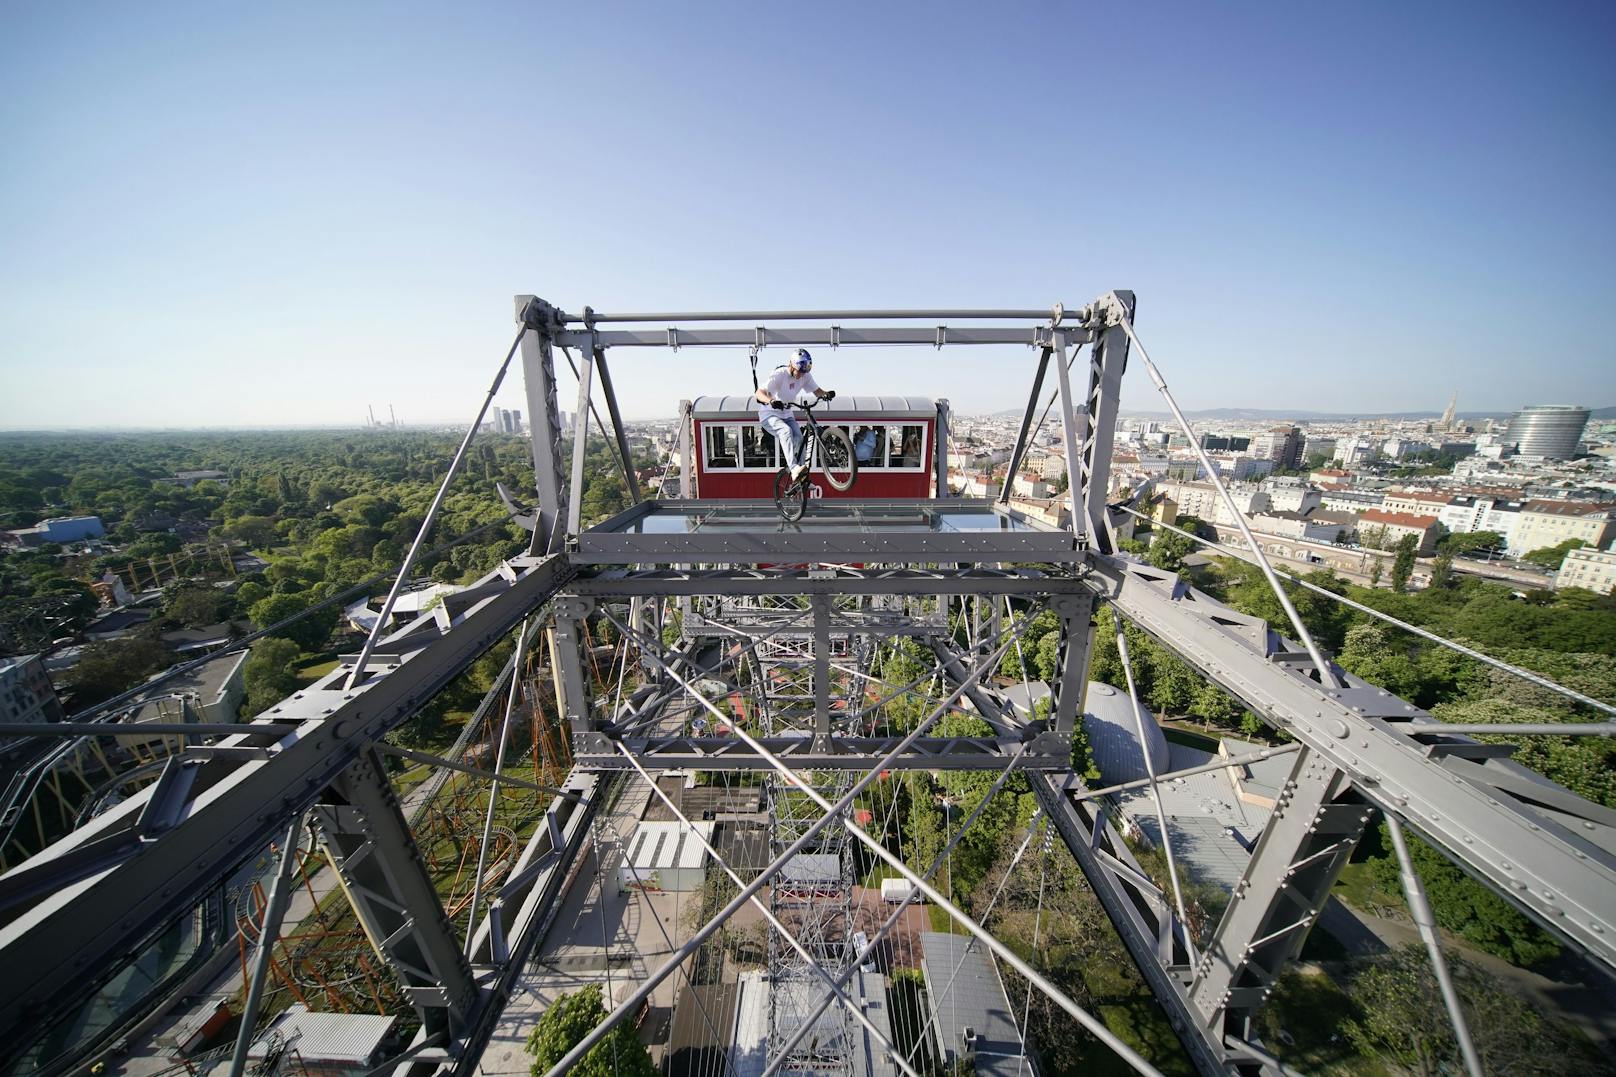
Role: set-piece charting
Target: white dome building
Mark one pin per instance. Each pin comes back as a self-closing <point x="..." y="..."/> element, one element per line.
<point x="1114" y="736"/>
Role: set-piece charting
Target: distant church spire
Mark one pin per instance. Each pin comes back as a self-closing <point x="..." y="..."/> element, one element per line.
<point x="1447" y="416"/>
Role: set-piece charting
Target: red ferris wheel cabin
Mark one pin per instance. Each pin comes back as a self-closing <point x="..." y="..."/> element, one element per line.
<point x="895" y="439"/>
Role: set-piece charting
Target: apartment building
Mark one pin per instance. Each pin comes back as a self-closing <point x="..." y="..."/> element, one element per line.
<point x="1350" y="500"/>
<point x="1549" y="523"/>
<point x="1290" y="494"/>
<point x="1590" y="569"/>
<point x="1383" y="530"/>
<point x="1416" y="502"/>
<point x="1201" y="500"/>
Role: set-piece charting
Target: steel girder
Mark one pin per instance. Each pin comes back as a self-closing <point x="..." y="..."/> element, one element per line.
<point x="1317" y="821"/>
<point x="707" y="539"/>
<point x="627" y="459"/>
<point x="663" y="582"/>
<point x="544" y="424"/>
<point x="841" y="753"/>
<point x="1020" y="448"/>
<point x="1137" y="908"/>
<point x="820" y="605"/>
<point x="1073" y="659"/>
<point x="687" y="465"/>
<point x="1097" y="425"/>
<point x="989" y="706"/>
<point x="363" y="828"/>
<point x="112" y="887"/>
<point x="524" y="907"/>
<point x="778" y="624"/>
<point x="1547" y="851"/>
<point x="567" y="664"/>
<point x="1031" y="336"/>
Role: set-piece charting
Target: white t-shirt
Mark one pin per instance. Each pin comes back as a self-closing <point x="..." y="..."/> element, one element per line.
<point x="782" y="386"/>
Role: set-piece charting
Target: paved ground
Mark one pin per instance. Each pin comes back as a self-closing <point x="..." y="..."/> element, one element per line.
<point x="635" y="927"/>
<point x="901" y="947"/>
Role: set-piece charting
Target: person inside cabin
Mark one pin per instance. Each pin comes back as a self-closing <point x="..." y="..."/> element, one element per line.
<point x="865" y="440"/>
<point x="787" y="385"/>
<point x="911" y="446"/>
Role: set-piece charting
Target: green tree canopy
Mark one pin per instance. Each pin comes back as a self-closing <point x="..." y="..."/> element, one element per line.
<point x="572" y="1017"/>
<point x="1467" y="908"/>
<point x="1401" y="1015"/>
<point x="113" y="666"/>
<point x="1458" y="542"/>
<point x="1403" y="562"/>
<point x="1554" y="556"/>
<point x="310" y="633"/>
<point x="256" y="531"/>
<point x="268" y="675"/>
<point x="197" y="606"/>
<point x="1168" y="550"/>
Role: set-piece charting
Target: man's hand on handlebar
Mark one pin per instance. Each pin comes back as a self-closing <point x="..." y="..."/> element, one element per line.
<point x="830" y="394"/>
<point x="778" y="405"/>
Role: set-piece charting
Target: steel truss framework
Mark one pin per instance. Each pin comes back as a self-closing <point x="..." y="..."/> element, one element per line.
<point x="72" y="912"/>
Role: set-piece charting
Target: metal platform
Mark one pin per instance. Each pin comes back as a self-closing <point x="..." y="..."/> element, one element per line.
<point x="751" y="532"/>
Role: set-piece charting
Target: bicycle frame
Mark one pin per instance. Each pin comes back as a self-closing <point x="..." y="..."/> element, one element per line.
<point x="810" y="436"/>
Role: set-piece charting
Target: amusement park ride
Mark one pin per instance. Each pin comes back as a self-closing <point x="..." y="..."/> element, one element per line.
<point x="794" y="611"/>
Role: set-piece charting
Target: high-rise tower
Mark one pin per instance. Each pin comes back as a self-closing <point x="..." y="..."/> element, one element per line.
<point x="1550" y="430"/>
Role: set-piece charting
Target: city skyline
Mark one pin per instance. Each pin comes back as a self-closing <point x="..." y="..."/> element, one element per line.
<point x="1234" y="416"/>
<point x="325" y="208"/>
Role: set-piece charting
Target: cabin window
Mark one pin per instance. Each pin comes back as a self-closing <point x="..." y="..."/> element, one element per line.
<point x="721" y="447"/>
<point x="869" y="446"/>
<point x="758" y="448"/>
<point x="878" y="446"/>
<point x="888" y="446"/>
<point x="906" y="446"/>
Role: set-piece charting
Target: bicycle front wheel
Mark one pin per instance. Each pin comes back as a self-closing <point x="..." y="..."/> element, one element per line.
<point x="790" y="498"/>
<point x="836" y="457"/>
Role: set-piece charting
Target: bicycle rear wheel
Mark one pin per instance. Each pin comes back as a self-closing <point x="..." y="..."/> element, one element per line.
<point x="836" y="457"/>
<point x="790" y="498"/>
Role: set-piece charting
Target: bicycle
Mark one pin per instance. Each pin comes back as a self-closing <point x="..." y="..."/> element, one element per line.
<point x="837" y="463"/>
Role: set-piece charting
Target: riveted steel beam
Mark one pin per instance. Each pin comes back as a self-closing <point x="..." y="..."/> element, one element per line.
<point x="234" y="809"/>
<point x="363" y="829"/>
<point x="1558" y="867"/>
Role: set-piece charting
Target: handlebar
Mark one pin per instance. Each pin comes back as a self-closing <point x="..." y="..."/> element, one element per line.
<point x="829" y="396"/>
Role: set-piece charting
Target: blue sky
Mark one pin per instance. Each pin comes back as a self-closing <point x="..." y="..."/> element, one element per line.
<point x="211" y="215"/>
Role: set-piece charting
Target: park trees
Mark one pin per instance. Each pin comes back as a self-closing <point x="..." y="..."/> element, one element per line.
<point x="1584" y="765"/>
<point x="113" y="666"/>
<point x="1168" y="550"/>
<point x="1442" y="570"/>
<point x="1553" y="556"/>
<point x="76" y="602"/>
<point x="1462" y="905"/>
<point x="1403" y="562"/>
<point x="1460" y="542"/>
<point x="1401" y="1016"/>
<point x="197" y="606"/>
<point x="257" y="532"/>
<point x="572" y="1017"/>
<point x="310" y="632"/>
<point x="1243" y="586"/>
<point x="268" y="675"/>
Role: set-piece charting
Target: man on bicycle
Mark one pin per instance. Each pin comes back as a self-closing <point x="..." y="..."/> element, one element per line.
<point x="787" y="384"/>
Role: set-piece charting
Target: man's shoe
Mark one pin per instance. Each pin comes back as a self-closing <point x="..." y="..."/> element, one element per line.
<point x="798" y="472"/>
